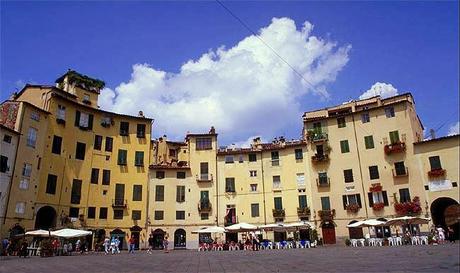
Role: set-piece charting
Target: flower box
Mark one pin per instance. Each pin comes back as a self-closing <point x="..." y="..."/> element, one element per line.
<point x="437" y="173"/>
<point x="397" y="147"/>
<point x="378" y="206"/>
<point x="326" y="215"/>
<point x="409" y="208"/>
<point x="353" y="208"/>
<point x="375" y="188"/>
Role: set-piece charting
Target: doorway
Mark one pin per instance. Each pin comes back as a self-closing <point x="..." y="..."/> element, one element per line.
<point x="445" y="212"/>
<point x="118" y="233"/>
<point x="180" y="239"/>
<point x="158" y="237"/>
<point x="356" y="232"/>
<point x="328" y="230"/>
<point x="46" y="218"/>
<point x="279" y="236"/>
<point x="135" y="232"/>
<point x="231" y="237"/>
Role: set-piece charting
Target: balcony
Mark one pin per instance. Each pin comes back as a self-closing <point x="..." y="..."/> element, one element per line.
<point x="279" y="213"/>
<point x="204" y="206"/>
<point x="119" y="203"/>
<point x="303" y="212"/>
<point x="317" y="158"/>
<point x="323" y="182"/>
<point x="398" y="147"/>
<point x="437" y="173"/>
<point x="60" y="121"/>
<point x="401" y="173"/>
<point x="316" y="137"/>
<point x="204" y="177"/>
<point x="326" y="215"/>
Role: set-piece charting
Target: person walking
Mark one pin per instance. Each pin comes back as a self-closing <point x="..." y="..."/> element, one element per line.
<point x="131" y="243"/>
<point x="106" y="245"/>
<point x="117" y="245"/>
<point x="441" y="235"/>
<point x="165" y="244"/>
<point x="151" y="241"/>
<point x="113" y="245"/>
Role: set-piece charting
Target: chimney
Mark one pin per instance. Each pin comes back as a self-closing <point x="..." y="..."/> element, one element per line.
<point x="432" y="133"/>
<point x="212" y="131"/>
<point x="255" y="142"/>
<point x="141" y="114"/>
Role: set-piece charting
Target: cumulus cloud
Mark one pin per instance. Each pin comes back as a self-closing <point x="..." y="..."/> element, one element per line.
<point x="385" y="90"/>
<point x="454" y="129"/>
<point x="243" y="91"/>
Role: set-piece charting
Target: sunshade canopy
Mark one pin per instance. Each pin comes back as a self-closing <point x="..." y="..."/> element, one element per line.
<point x="213" y="229"/>
<point x="70" y="233"/>
<point x="240" y="227"/>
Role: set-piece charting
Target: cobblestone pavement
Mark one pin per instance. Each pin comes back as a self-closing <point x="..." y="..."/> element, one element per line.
<point x="444" y="258"/>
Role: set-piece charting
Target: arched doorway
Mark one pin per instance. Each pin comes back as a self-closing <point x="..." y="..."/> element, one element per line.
<point x="99" y="237"/>
<point x="179" y="239"/>
<point x="135" y="232"/>
<point x="120" y="234"/>
<point x="328" y="230"/>
<point x="279" y="236"/>
<point x="16" y="230"/>
<point x="46" y="218"/>
<point x="383" y="231"/>
<point x="355" y="232"/>
<point x="304" y="234"/>
<point x="445" y="212"/>
<point x="158" y="236"/>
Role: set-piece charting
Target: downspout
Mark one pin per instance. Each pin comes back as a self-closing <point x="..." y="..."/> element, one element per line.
<point x="263" y="186"/>
<point x="360" y="169"/>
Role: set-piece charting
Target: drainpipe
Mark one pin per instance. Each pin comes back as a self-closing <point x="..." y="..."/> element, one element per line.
<point x="360" y="169"/>
<point x="263" y="186"/>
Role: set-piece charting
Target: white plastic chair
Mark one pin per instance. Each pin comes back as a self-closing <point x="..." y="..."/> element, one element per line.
<point x="399" y="240"/>
<point x="391" y="241"/>
<point x="354" y="242"/>
<point x="424" y="240"/>
<point x="362" y="241"/>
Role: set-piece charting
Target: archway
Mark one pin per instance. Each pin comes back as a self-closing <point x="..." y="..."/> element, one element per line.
<point x="180" y="239"/>
<point x="46" y="218"/>
<point x="135" y="232"/>
<point x="158" y="237"/>
<point x="356" y="232"/>
<point x="328" y="230"/>
<point x="445" y="212"/>
<point x="99" y="237"/>
<point x="120" y="234"/>
<point x="16" y="230"/>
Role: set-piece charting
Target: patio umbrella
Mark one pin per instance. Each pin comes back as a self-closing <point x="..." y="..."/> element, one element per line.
<point x="273" y="227"/>
<point x="367" y="223"/>
<point x="240" y="227"/>
<point x="407" y="220"/>
<point x="71" y="233"/>
<point x="213" y="229"/>
<point x="38" y="233"/>
<point x="298" y="225"/>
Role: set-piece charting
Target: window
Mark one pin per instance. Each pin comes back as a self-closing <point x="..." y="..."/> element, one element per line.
<point x="74" y="212"/>
<point x="389" y="112"/>
<point x="298" y="154"/>
<point x="341" y="122"/>
<point x="122" y="157"/>
<point x="140" y="132"/>
<point x="172" y="152"/>
<point x="394" y="137"/>
<point x="252" y="157"/>
<point x="51" y="184"/>
<point x="24" y="184"/>
<point x="7" y="138"/>
<point x="106" y="121"/>
<point x="369" y="142"/>
<point x="400" y="169"/>
<point x="404" y="195"/>
<point x="275" y="158"/>
<point x="124" y="128"/>
<point x="159" y="193"/>
<point x="240" y="159"/>
<point x="230" y="184"/>
<point x="102" y="213"/>
<point x="35" y="116"/>
<point x="3" y="164"/>
<point x="255" y="210"/>
<point x="325" y="203"/>
<point x="228" y="159"/>
<point x="377" y="198"/>
<point x="180" y="194"/>
<point x="180" y="175"/>
<point x="86" y="98"/>
<point x="118" y="214"/>
<point x="108" y="144"/>
<point x="139" y="159"/>
<point x="60" y="115"/>
<point x="94" y="176"/>
<point x="300" y="177"/>
<point x="278" y="202"/>
<point x="32" y="137"/>
<point x="20" y="207"/>
<point x="91" y="212"/>
<point x="344" y="148"/>
<point x="160" y="174"/>
<point x="302" y="201"/>
<point x="159" y="215"/>
<point x="204" y="143"/>
<point x="136" y="215"/>
<point x="276" y="181"/>
<point x="323" y="180"/>
<point x="365" y="118"/>
<point x="374" y="172"/>
<point x="80" y="151"/>
<point x="253" y="187"/>
<point x="97" y="142"/>
<point x="435" y="162"/>
<point x="27" y="170"/>
<point x="252" y="173"/>
<point x="83" y="120"/>
<point x="348" y="174"/>
<point x="137" y="192"/>
<point x="204" y="216"/>
<point x="105" y="177"/>
<point x="180" y="215"/>
<point x="56" y="147"/>
<point x="204" y="175"/>
<point x="351" y="199"/>
<point x="76" y="192"/>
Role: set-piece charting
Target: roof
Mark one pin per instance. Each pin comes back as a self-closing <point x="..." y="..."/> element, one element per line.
<point x="42" y="86"/>
<point x="176" y="143"/>
<point x="168" y="167"/>
<point x="28" y="104"/>
<point x="200" y="135"/>
<point x="83" y="81"/>
<point x="437" y="139"/>
<point x="9" y="129"/>
<point x="264" y="147"/>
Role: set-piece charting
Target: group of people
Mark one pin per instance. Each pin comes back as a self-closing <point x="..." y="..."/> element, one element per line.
<point x="440" y="235"/>
<point x="151" y="242"/>
<point x="111" y="246"/>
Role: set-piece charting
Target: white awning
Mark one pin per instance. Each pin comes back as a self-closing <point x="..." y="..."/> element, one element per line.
<point x="70" y="233"/>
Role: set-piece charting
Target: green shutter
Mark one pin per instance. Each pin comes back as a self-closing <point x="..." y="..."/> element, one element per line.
<point x="369" y="142"/>
<point x="302" y="201"/>
<point x="344" y="146"/>
<point x="394" y="137"/>
<point x="278" y="203"/>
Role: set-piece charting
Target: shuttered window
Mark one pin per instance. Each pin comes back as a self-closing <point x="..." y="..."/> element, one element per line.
<point x="122" y="157"/>
<point x="348" y="175"/>
<point x="344" y="148"/>
<point x="325" y="203"/>
<point x="369" y="142"/>
<point x="139" y="159"/>
<point x="180" y="194"/>
<point x="278" y="202"/>
<point x="137" y="192"/>
<point x="435" y="163"/>
<point x="159" y="193"/>
<point x="106" y="177"/>
<point x="404" y="195"/>
<point x="254" y="210"/>
<point x="108" y="144"/>
<point x="374" y="172"/>
<point x="97" y="142"/>
<point x="394" y="137"/>
<point x="302" y="201"/>
<point x="124" y="128"/>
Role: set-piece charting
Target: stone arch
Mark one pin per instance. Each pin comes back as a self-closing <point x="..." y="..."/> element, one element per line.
<point x="45" y="218"/>
<point x="180" y="237"/>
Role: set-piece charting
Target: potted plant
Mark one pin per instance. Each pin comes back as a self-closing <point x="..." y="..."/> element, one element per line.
<point x="378" y="206"/>
<point x="352" y="208"/>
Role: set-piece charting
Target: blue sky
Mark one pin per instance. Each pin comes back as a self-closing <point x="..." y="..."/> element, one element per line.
<point x="411" y="45"/>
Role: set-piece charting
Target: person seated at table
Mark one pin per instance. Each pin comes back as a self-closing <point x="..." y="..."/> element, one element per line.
<point x="255" y="243"/>
<point x="23" y="251"/>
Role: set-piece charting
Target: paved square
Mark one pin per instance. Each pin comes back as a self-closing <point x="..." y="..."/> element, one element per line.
<point x="443" y="258"/>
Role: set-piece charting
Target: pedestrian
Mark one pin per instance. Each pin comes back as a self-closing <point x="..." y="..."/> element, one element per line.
<point x="69" y="248"/>
<point x="106" y="245"/>
<point x="77" y="245"/>
<point x="4" y="247"/>
<point x="82" y="247"/>
<point x="131" y="243"/>
<point x="23" y="251"/>
<point x="451" y="234"/>
<point x="441" y="235"/>
<point x="112" y="245"/>
<point x="151" y="241"/>
<point x="117" y="245"/>
<point x="55" y="245"/>
<point x="165" y="244"/>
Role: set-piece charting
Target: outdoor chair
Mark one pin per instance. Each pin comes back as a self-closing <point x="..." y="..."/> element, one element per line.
<point x="362" y="241"/>
<point x="415" y="240"/>
<point x="354" y="242"/>
<point x="371" y="241"/>
<point x="424" y="240"/>
<point x="391" y="241"/>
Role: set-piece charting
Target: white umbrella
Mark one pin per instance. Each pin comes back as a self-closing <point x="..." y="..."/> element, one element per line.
<point x="38" y="232"/>
<point x="299" y="225"/>
<point x="213" y="229"/>
<point x="273" y="227"/>
<point x="70" y="233"/>
<point x="367" y="223"/>
<point x="240" y="227"/>
<point x="407" y="220"/>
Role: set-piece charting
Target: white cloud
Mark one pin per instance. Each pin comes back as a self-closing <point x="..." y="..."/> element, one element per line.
<point x="243" y="91"/>
<point x="454" y="129"/>
<point x="385" y="90"/>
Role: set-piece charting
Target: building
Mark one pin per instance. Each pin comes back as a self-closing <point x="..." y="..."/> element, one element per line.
<point x="8" y="147"/>
<point x="89" y="167"/>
